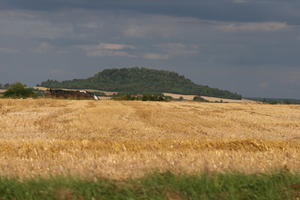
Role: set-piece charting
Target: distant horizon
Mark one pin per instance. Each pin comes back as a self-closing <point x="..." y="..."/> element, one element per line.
<point x="34" y="85"/>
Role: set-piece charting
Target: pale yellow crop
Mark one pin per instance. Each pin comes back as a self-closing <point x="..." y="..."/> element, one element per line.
<point x="121" y="139"/>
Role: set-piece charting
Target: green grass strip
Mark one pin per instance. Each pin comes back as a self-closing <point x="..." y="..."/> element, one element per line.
<point x="279" y="185"/>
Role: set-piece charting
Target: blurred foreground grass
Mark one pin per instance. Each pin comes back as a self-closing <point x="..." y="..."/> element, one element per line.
<point x="276" y="185"/>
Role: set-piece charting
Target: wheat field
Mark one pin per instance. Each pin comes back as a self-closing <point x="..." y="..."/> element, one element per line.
<point x="127" y="139"/>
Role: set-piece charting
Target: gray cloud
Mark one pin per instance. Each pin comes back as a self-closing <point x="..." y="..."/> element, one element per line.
<point x="171" y="50"/>
<point x="107" y="49"/>
<point x="246" y="46"/>
<point x="155" y="56"/>
<point x="222" y="10"/>
<point x="8" y="50"/>
<point x="262" y="26"/>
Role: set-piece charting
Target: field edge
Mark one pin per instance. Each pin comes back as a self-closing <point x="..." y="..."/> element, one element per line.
<point x="276" y="185"/>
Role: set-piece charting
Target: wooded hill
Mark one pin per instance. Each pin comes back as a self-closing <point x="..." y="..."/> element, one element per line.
<point x="138" y="80"/>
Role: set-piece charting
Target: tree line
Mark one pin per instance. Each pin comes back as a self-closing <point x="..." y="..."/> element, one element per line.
<point x="276" y="100"/>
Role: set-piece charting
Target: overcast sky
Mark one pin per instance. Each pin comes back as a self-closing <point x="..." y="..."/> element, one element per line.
<point x="246" y="46"/>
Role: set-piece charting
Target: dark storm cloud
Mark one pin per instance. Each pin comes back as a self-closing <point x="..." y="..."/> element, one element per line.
<point x="221" y="10"/>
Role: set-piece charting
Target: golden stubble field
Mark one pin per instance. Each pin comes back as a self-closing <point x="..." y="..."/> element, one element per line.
<point x="122" y="139"/>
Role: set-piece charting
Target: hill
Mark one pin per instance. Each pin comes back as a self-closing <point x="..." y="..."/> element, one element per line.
<point x="141" y="80"/>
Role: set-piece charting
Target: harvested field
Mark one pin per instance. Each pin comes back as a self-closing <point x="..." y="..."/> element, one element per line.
<point x="121" y="139"/>
<point x="209" y="99"/>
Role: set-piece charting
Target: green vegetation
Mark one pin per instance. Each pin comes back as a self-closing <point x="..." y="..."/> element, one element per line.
<point x="276" y="100"/>
<point x="18" y="90"/>
<point x="144" y="97"/>
<point x="282" y="185"/>
<point x="200" y="99"/>
<point x="141" y="81"/>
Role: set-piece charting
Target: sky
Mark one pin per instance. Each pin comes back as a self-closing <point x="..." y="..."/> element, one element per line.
<point x="247" y="46"/>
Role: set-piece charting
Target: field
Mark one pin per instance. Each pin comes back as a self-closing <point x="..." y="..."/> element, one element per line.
<point x="209" y="99"/>
<point x="128" y="139"/>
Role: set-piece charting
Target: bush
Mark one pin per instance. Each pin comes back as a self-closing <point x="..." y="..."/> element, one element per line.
<point x="198" y="98"/>
<point x="181" y="99"/>
<point x="18" y="90"/>
<point x="144" y="97"/>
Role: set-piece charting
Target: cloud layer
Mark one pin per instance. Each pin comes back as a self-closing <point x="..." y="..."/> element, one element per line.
<point x="245" y="46"/>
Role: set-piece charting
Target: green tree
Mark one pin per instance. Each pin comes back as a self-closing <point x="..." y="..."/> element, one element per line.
<point x="18" y="90"/>
<point x="201" y="99"/>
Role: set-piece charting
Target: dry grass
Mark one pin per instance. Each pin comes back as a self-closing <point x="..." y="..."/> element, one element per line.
<point x="215" y="99"/>
<point x="121" y="139"/>
<point x="210" y="99"/>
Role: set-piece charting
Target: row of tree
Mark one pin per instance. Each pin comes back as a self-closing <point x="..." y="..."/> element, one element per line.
<point x="144" y="97"/>
<point x="277" y="100"/>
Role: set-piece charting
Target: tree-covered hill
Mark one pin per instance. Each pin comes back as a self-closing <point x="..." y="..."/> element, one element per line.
<point x="141" y="80"/>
